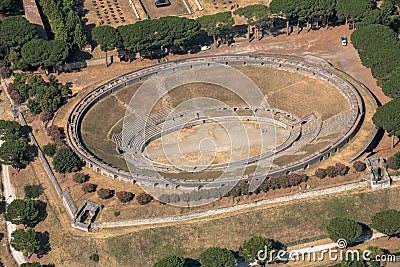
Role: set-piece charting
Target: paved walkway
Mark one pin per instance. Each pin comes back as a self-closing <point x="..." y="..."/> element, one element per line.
<point x="9" y="196"/>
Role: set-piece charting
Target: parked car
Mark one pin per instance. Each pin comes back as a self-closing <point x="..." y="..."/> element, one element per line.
<point x="204" y="47"/>
<point x="344" y="40"/>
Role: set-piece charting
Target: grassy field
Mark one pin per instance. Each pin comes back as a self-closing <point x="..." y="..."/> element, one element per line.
<point x="287" y="223"/>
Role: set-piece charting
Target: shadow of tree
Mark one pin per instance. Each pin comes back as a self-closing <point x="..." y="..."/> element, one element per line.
<point x="44" y="244"/>
<point x="42" y="207"/>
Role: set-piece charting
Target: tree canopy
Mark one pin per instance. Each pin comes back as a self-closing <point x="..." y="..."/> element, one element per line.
<point x="25" y="241"/>
<point x="12" y="152"/>
<point x="256" y="15"/>
<point x="65" y="161"/>
<point x="387" y="222"/>
<point x="217" y="257"/>
<point x="353" y="10"/>
<point x="15" y="31"/>
<point x="40" y="52"/>
<point x="106" y="36"/>
<point x="170" y="261"/>
<point x="22" y="211"/>
<point x="387" y="117"/>
<point x="9" y="129"/>
<point x="216" y="23"/>
<point x="250" y="248"/>
<point x="343" y="228"/>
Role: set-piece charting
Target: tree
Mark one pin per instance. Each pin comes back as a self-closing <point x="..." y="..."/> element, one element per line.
<point x="387" y="117"/>
<point x="33" y="190"/>
<point x="393" y="162"/>
<point x="170" y="261"/>
<point x="125" y="196"/>
<point x="5" y="5"/>
<point x="143" y="198"/>
<point x="89" y="187"/>
<point x="343" y="228"/>
<point x="94" y="257"/>
<point x="217" y="257"/>
<point x="359" y="166"/>
<point x="107" y="37"/>
<point x="285" y="8"/>
<point x="45" y="116"/>
<point x="216" y="23"/>
<point x="49" y="149"/>
<point x="15" y="31"/>
<point x="30" y="264"/>
<point x="9" y="129"/>
<point x="105" y="193"/>
<point x="353" y="10"/>
<point x="44" y="53"/>
<point x="12" y="152"/>
<point x="387" y="222"/>
<point x="391" y="86"/>
<point x="25" y="241"/>
<point x="80" y="178"/>
<point x="65" y="161"/>
<point x="22" y="211"/>
<point x="257" y="16"/>
<point x="250" y="248"/>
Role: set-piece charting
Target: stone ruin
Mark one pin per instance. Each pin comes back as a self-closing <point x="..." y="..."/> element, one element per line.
<point x="377" y="174"/>
<point x="86" y="215"/>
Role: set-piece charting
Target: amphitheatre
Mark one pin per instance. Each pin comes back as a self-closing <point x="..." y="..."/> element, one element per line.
<point x="313" y="112"/>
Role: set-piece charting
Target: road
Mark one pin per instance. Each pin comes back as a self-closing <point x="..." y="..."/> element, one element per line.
<point x="9" y="196"/>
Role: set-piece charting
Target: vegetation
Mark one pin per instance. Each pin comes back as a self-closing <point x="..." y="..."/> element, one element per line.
<point x="65" y="161"/>
<point x="65" y="21"/>
<point x="143" y="198"/>
<point x="250" y="248"/>
<point x="42" y="96"/>
<point x="13" y="150"/>
<point x="216" y="24"/>
<point x="39" y="52"/>
<point x="387" y="117"/>
<point x="22" y="211"/>
<point x="89" y="187"/>
<point x="25" y="241"/>
<point x="125" y="196"/>
<point x="80" y="178"/>
<point x="359" y="166"/>
<point x="393" y="162"/>
<point x="343" y="228"/>
<point x="107" y="37"/>
<point x="33" y="190"/>
<point x="387" y="222"/>
<point x="94" y="257"/>
<point x="105" y="193"/>
<point x="170" y="261"/>
<point x="257" y="16"/>
<point x="49" y="149"/>
<point x="217" y="257"/>
<point x="31" y="264"/>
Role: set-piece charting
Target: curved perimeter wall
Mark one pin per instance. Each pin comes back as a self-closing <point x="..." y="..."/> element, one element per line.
<point x="275" y="61"/>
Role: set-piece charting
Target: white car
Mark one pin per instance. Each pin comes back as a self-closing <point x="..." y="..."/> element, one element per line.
<point x="204" y="47"/>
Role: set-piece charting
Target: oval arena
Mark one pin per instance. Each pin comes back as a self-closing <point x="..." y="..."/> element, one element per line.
<point x="301" y="130"/>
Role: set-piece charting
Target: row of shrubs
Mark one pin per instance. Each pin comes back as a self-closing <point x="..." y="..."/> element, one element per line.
<point x="242" y="189"/>
<point x="332" y="171"/>
<point x="123" y="196"/>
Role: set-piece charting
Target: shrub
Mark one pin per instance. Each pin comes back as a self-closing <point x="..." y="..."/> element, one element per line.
<point x="341" y="169"/>
<point x="359" y="166"/>
<point x="331" y="171"/>
<point x="49" y="149"/>
<point x="55" y="133"/>
<point x="320" y="173"/>
<point x="117" y="213"/>
<point x="33" y="191"/>
<point x="94" y="257"/>
<point x="235" y="191"/>
<point x="80" y="178"/>
<point x="244" y="188"/>
<point x="393" y="162"/>
<point x="125" y="196"/>
<point x="88" y="187"/>
<point x="65" y="161"/>
<point x="105" y="193"/>
<point x="5" y="72"/>
<point x="45" y="116"/>
<point x="144" y="198"/>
